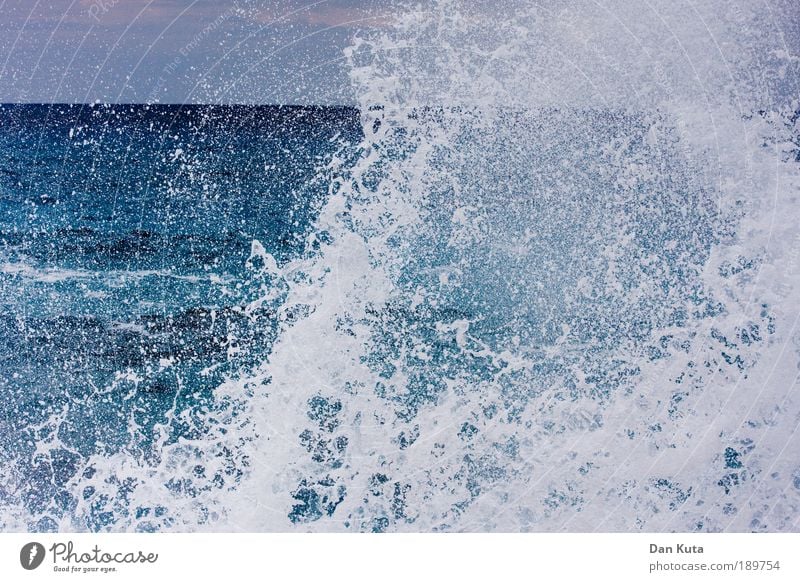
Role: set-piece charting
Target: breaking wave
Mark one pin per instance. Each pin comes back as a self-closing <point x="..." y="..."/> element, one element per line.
<point x="549" y="287"/>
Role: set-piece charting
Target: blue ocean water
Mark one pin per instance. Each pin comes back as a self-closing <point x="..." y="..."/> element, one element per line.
<point x="125" y="234"/>
<point x="368" y="321"/>
<point x="546" y="283"/>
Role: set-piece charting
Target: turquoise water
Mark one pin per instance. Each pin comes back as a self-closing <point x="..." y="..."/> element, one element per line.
<point x="125" y="234"/>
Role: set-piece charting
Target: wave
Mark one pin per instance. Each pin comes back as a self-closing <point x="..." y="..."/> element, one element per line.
<point x="57" y="275"/>
<point x="549" y="290"/>
<point x="578" y="242"/>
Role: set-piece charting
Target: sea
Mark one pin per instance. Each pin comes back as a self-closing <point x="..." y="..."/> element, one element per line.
<point x="491" y="295"/>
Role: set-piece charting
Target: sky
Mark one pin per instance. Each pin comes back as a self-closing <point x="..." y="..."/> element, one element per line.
<point x="214" y="51"/>
<point x="179" y="51"/>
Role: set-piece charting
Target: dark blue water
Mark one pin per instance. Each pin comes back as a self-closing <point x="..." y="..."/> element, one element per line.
<point x="125" y="233"/>
<point x="317" y="318"/>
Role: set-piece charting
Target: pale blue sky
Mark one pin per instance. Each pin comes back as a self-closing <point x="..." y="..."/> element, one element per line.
<point x="176" y="51"/>
<point x="212" y="51"/>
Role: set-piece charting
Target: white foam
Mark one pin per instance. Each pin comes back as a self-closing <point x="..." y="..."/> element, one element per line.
<point x="577" y="466"/>
<point x="548" y="450"/>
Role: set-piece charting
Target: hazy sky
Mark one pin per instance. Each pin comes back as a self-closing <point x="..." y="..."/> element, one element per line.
<point x="211" y="51"/>
<point x="176" y="51"/>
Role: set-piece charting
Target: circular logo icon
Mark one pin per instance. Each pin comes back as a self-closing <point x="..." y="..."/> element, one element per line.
<point x="31" y="555"/>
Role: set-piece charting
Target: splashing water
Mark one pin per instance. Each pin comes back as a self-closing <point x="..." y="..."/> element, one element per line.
<point x="548" y="288"/>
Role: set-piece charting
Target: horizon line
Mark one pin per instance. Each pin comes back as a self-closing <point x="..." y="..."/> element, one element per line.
<point x="146" y="104"/>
